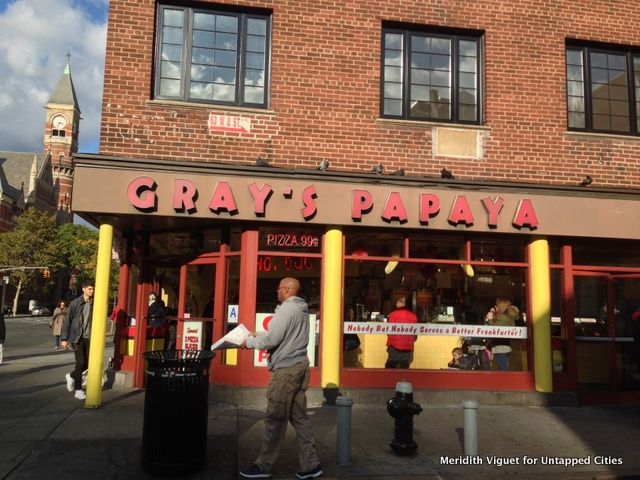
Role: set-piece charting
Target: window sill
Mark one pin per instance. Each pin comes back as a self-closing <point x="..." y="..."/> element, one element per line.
<point x="208" y="106"/>
<point x="602" y="136"/>
<point x="416" y="123"/>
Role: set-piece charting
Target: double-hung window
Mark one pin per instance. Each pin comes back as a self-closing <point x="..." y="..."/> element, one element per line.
<point x="429" y="75"/>
<point x="211" y="56"/>
<point x="603" y="89"/>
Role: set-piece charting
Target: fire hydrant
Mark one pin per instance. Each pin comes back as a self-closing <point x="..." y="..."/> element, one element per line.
<point x="403" y="408"/>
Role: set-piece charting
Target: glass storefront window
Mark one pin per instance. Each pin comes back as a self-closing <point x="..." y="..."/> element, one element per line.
<point x="558" y="324"/>
<point x="235" y="236"/>
<point x="134" y="276"/>
<point x="231" y="309"/>
<point x="198" y="309"/>
<point x="271" y="269"/>
<point x="554" y="252"/>
<point x="169" y="282"/>
<point x="289" y="239"/>
<point x="499" y="249"/>
<point x="437" y="247"/>
<point x="441" y="294"/>
<point x="370" y="244"/>
<point x="610" y="253"/>
<point x="184" y="242"/>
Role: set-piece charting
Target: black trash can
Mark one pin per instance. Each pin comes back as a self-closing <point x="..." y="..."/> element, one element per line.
<point x="174" y="434"/>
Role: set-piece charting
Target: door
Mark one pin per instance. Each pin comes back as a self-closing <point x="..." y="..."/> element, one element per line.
<point x="626" y="297"/>
<point x="607" y="358"/>
<point x="196" y="307"/>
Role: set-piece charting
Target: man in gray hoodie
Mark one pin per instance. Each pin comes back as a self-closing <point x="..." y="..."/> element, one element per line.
<point x="286" y="341"/>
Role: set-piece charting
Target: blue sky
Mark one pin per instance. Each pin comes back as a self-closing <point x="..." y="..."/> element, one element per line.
<point x="35" y="36"/>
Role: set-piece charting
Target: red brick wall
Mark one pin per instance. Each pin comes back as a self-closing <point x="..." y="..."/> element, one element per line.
<point x="325" y="84"/>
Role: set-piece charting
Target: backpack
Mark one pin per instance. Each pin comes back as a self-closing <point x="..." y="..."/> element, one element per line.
<point x="469" y="362"/>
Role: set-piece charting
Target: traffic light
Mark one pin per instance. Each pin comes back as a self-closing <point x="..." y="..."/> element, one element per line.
<point x="46" y="273"/>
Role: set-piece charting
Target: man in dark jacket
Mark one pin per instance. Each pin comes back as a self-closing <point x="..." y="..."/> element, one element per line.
<point x="76" y="333"/>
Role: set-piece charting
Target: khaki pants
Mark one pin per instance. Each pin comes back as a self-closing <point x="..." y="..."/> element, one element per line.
<point x="287" y="402"/>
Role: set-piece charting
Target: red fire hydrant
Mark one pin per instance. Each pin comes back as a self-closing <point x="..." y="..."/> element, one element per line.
<point x="403" y="408"/>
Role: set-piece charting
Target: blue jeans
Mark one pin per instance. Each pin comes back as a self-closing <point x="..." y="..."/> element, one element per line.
<point x="502" y="360"/>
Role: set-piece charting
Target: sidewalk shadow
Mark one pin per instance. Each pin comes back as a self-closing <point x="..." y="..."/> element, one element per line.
<point x="11" y="375"/>
<point x="36" y="355"/>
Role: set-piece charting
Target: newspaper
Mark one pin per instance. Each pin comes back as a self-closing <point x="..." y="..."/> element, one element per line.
<point x="233" y="339"/>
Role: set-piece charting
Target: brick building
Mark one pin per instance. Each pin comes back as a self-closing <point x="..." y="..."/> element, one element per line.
<point x="448" y="152"/>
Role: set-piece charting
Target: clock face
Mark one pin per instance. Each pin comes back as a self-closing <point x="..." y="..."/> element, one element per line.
<point x="59" y="122"/>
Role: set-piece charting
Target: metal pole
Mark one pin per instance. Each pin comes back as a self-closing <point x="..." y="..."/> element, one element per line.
<point x="99" y="316"/>
<point x="343" y="443"/>
<point x="470" y="409"/>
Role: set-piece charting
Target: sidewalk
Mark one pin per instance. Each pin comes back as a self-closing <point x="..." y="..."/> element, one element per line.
<point x="46" y="433"/>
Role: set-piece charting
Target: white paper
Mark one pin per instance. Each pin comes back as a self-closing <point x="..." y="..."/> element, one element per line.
<point x="233" y="339"/>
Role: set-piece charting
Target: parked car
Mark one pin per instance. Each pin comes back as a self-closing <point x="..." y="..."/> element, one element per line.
<point x="40" y="311"/>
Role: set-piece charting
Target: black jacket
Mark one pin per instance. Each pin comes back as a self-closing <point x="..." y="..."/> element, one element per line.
<point x="72" y="325"/>
<point x="156" y="313"/>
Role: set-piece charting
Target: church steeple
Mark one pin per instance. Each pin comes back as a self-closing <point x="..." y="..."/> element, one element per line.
<point x="65" y="94"/>
<point x="62" y="127"/>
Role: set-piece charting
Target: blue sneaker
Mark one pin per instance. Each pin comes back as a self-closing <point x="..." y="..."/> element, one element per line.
<point x="313" y="473"/>
<point x="254" y="471"/>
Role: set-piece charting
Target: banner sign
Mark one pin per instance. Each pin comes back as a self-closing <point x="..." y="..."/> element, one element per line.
<point x="435" y="329"/>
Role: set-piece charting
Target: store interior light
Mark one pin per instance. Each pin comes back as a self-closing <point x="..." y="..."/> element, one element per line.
<point x="391" y="266"/>
<point x="468" y="269"/>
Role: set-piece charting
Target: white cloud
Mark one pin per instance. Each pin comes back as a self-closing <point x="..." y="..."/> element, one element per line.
<point x="35" y="36"/>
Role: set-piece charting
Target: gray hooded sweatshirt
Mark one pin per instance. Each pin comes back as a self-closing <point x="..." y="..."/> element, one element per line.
<point x="288" y="335"/>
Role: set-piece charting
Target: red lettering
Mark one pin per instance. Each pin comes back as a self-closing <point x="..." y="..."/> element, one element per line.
<point x="260" y="198"/>
<point x="394" y="209"/>
<point x="267" y="321"/>
<point x="223" y="199"/>
<point x="308" y="195"/>
<point x="362" y="203"/>
<point x="460" y="212"/>
<point x="184" y="194"/>
<point x="141" y="193"/>
<point x="429" y="207"/>
<point x="525" y="215"/>
<point x="493" y="208"/>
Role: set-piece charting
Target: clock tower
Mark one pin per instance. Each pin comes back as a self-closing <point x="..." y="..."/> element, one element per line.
<point x="62" y="124"/>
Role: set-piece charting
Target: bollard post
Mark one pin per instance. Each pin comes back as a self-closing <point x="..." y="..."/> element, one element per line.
<point x="470" y="409"/>
<point x="343" y="440"/>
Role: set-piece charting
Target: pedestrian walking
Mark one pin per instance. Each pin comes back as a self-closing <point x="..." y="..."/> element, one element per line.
<point x="56" y="321"/>
<point x="76" y="334"/>
<point x="286" y="340"/>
